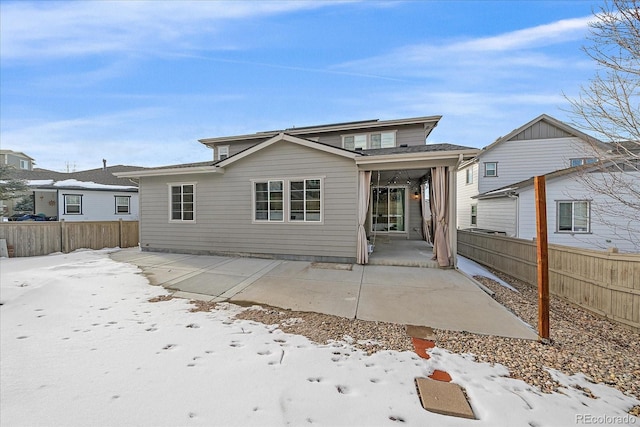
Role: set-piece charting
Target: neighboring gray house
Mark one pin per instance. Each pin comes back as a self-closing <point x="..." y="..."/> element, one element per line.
<point x="90" y="195"/>
<point x="16" y="159"/>
<point x="312" y="193"/>
<point x="576" y="215"/>
<point x="543" y="145"/>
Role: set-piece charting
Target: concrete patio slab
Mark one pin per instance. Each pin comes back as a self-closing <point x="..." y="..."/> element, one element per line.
<point x="444" y="299"/>
<point x="244" y="266"/>
<point x="208" y="283"/>
<point x="322" y="296"/>
<point x="163" y="275"/>
<point x="306" y="271"/>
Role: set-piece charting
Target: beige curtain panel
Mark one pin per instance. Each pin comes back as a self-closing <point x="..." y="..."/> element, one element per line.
<point x="364" y="181"/>
<point x="440" y="212"/>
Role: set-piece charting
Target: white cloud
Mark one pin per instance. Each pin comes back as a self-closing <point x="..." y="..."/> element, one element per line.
<point x="501" y="53"/>
<point x="60" y="29"/>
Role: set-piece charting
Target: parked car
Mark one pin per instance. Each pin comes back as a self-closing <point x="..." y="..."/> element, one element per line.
<point x="35" y="217"/>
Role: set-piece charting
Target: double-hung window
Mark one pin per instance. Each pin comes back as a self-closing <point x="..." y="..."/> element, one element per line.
<point x="73" y="204"/>
<point x="183" y="204"/>
<point x="304" y="200"/>
<point x="474" y="215"/>
<point x="470" y="175"/>
<point x="223" y="152"/>
<point x="269" y="201"/>
<point x="491" y="169"/>
<point x="573" y="217"/>
<point x="123" y="205"/>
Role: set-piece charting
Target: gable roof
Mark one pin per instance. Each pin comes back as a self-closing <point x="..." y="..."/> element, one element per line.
<point x="557" y="127"/>
<point x="292" y="139"/>
<point x="429" y="122"/>
<point x="16" y="153"/>
<point x="513" y="189"/>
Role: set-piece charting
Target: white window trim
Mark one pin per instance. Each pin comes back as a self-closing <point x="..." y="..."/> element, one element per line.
<point x="169" y="199"/>
<point x="24" y="164"/>
<point x="469" y="176"/>
<point x="73" y="204"/>
<point x="128" y="205"/>
<point x="223" y="149"/>
<point x="572" y="231"/>
<point x="368" y="136"/>
<point x="286" y="208"/>
<point x="472" y="216"/>
<point x="304" y="201"/>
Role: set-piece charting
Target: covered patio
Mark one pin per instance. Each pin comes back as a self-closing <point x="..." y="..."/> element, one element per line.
<point x="407" y="206"/>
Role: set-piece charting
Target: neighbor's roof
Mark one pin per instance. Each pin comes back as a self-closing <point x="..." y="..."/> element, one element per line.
<point x="17" y="153"/>
<point x="90" y="178"/>
<point x="552" y="121"/>
<point x="515" y="188"/>
<point x="429" y="122"/>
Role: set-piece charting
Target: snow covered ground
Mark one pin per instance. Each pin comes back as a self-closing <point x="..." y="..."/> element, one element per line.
<point x="82" y="346"/>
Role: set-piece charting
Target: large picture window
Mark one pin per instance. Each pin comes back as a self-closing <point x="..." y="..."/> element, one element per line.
<point x="304" y="196"/>
<point x="183" y="206"/>
<point x="573" y="217"/>
<point x="123" y="205"/>
<point x="269" y="201"/>
<point x="73" y="204"/>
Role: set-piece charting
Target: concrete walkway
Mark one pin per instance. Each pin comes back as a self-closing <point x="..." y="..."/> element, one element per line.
<point x="442" y="299"/>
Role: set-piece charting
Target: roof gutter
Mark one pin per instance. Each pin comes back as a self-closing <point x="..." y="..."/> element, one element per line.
<point x="169" y="171"/>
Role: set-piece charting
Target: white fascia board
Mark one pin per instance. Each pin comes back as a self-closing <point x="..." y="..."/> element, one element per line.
<point x="169" y="171"/>
<point x="416" y="157"/>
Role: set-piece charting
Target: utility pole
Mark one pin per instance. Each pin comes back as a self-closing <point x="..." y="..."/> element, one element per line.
<point x="542" y="255"/>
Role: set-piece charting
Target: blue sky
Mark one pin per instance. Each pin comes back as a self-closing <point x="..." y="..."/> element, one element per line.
<point x="139" y="82"/>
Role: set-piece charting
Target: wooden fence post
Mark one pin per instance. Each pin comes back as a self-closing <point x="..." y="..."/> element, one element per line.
<point x="63" y="237"/>
<point x="542" y="255"/>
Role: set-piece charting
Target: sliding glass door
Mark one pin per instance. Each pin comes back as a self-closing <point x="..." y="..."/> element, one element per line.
<point x="388" y="209"/>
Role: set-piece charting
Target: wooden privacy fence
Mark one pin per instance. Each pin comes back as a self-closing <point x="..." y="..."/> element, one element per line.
<point x="603" y="282"/>
<point x="33" y="238"/>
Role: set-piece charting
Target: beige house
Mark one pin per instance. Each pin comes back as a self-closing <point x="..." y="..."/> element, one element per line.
<point x="320" y="193"/>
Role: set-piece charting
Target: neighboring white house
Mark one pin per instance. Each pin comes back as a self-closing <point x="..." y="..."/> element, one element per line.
<point x="90" y="195"/>
<point x="576" y="216"/>
<point x="543" y="145"/>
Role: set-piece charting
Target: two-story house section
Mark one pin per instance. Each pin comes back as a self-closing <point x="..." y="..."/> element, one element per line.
<point x="16" y="159"/>
<point x="542" y="145"/>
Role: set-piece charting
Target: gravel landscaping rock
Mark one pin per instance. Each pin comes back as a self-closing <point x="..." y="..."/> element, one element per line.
<point x="581" y="342"/>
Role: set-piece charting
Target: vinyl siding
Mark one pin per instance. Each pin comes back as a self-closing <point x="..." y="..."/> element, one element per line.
<point x="499" y="214"/>
<point x="521" y="159"/>
<point x="224" y="209"/>
<point x="98" y="205"/>
<point x="601" y="237"/>
<point x="464" y="193"/>
<point x="409" y="135"/>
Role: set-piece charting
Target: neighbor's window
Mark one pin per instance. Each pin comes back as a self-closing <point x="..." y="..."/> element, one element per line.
<point x="573" y="217"/>
<point x="474" y="214"/>
<point x="470" y="175"/>
<point x="269" y="201"/>
<point x="123" y="204"/>
<point x="369" y="140"/>
<point x="223" y="152"/>
<point x="491" y="169"/>
<point x="24" y="164"/>
<point x="73" y="204"/>
<point x="183" y="206"/>
<point x="304" y="200"/>
<point x="580" y="162"/>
